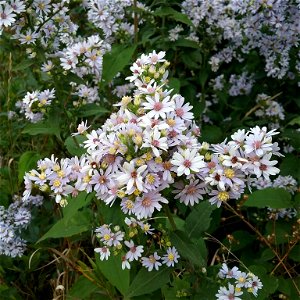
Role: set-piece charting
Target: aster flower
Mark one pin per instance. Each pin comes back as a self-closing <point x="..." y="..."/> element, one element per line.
<point x="228" y="294"/>
<point x="152" y="262"/>
<point x="135" y="252"/>
<point x="104" y="252"/>
<point x="171" y="257"/>
<point x="187" y="161"/>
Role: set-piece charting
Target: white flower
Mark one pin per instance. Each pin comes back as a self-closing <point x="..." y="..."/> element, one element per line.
<point x="131" y="177"/>
<point x="153" y="139"/>
<point x="104" y="252"/>
<point x="228" y="294"/>
<point x="157" y="107"/>
<point x="151" y="262"/>
<point x="171" y="257"/>
<point x="186" y="161"/>
<point x="134" y="251"/>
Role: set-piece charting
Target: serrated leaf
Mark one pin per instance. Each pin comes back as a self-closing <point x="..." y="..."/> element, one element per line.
<point x="269" y="197"/>
<point x="146" y="282"/>
<point x="187" y="248"/>
<point x="116" y="60"/>
<point x="27" y="162"/>
<point x="91" y="110"/>
<point x="80" y="222"/>
<point x="113" y="272"/>
<point x="73" y="143"/>
<point x="199" y="219"/>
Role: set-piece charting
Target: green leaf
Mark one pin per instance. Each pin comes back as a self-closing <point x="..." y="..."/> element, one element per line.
<point x="295" y="121"/>
<point x="174" y="14"/>
<point x="146" y="282"/>
<point x="81" y="289"/>
<point x="91" y="110"/>
<point x="116" y="60"/>
<point x="294" y="137"/>
<point x="27" y="162"/>
<point x="269" y="197"/>
<point x="113" y="272"/>
<point x="295" y="254"/>
<point x="199" y="219"/>
<point x="181" y="42"/>
<point x="290" y="166"/>
<point x="47" y="127"/>
<point x="66" y="227"/>
<point x="211" y="134"/>
<point x="73" y="143"/>
<point x="74" y="204"/>
<point x="174" y="83"/>
<point x="187" y="248"/>
<point x="25" y="64"/>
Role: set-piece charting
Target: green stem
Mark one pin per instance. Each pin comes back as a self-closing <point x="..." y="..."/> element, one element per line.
<point x="170" y="218"/>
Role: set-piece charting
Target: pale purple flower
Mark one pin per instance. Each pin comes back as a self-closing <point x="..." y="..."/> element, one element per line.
<point x="171" y="257"/>
<point x="135" y="252"/>
<point x="152" y="262"/>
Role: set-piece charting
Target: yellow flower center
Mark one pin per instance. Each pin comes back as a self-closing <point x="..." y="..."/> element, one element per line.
<point x="229" y="173"/>
<point x="56" y="183"/>
<point x="223" y="196"/>
<point x="150" y="178"/>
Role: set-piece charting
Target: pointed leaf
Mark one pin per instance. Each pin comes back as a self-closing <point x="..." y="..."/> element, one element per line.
<point x="113" y="272"/>
<point x="27" y="162"/>
<point x="269" y="197"/>
<point x="146" y="282"/>
<point x="199" y="219"/>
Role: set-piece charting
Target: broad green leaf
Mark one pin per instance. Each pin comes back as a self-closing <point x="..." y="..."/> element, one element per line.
<point x="269" y="197"/>
<point x="73" y="143"/>
<point x="92" y="110"/>
<point x="181" y="42"/>
<point x="294" y="137"/>
<point x="25" y="64"/>
<point x="113" y="272"/>
<point x="199" y="219"/>
<point x="46" y="127"/>
<point x="211" y="134"/>
<point x="146" y="282"/>
<point x="174" y="83"/>
<point x="174" y="14"/>
<point x="74" y="204"/>
<point x="295" y="121"/>
<point x="81" y="289"/>
<point x="80" y="222"/>
<point x="295" y="253"/>
<point x="290" y="166"/>
<point x="187" y="248"/>
<point x="27" y="162"/>
<point x="116" y="60"/>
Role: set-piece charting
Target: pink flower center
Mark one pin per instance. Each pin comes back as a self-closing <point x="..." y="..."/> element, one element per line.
<point x="173" y="133"/>
<point x="3" y="16"/>
<point x="256" y="144"/>
<point x="134" y="174"/>
<point x="146" y="202"/>
<point x="191" y="190"/>
<point x="133" y="249"/>
<point x="179" y="112"/>
<point x="157" y="106"/>
<point x="187" y="163"/>
<point x="263" y="167"/>
<point x="231" y="297"/>
<point x="211" y="164"/>
<point x="155" y="143"/>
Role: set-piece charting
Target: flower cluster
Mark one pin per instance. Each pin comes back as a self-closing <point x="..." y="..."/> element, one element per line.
<point x="151" y="144"/>
<point x="271" y="28"/>
<point x="84" y="58"/>
<point x="13" y="220"/>
<point x="109" y="15"/>
<point x="238" y="283"/>
<point x="34" y="105"/>
<point x="115" y="240"/>
<point x="240" y="85"/>
<point x="269" y="109"/>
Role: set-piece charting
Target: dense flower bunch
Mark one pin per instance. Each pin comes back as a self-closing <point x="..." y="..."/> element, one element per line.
<point x="118" y="241"/>
<point x="109" y="15"/>
<point x="13" y="220"/>
<point x="272" y="28"/>
<point x="269" y="109"/>
<point x="35" y="104"/>
<point x="238" y="283"/>
<point x="149" y="145"/>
